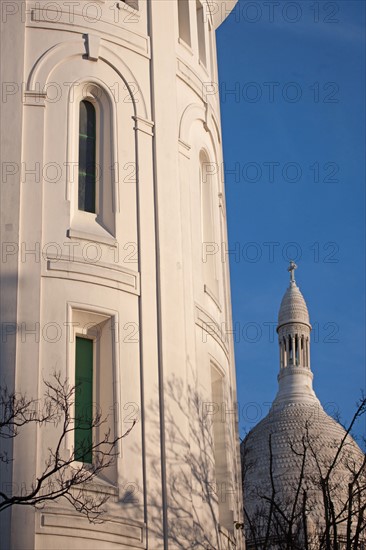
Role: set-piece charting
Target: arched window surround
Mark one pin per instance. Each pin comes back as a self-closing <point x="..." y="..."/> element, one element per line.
<point x="101" y="224"/>
<point x="209" y="233"/>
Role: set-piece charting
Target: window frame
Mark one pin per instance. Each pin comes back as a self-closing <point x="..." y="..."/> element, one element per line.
<point x="221" y="444"/>
<point x="89" y="338"/>
<point x="209" y="268"/>
<point x="184" y="23"/>
<point x="91" y="323"/>
<point x="102" y="225"/>
<point x="201" y="34"/>
<point x="94" y="103"/>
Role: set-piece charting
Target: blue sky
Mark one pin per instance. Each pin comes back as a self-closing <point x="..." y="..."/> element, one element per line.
<point x="294" y="135"/>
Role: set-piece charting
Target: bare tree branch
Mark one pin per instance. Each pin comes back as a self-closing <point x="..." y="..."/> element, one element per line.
<point x="63" y="475"/>
<point x="285" y="506"/>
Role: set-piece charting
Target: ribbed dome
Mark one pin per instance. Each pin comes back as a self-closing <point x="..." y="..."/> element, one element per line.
<point x="293" y="307"/>
<point x="285" y="427"/>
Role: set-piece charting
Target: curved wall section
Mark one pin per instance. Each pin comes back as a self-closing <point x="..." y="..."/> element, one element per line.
<point x="121" y="235"/>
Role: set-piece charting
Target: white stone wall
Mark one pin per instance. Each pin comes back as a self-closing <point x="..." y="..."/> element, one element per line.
<point x="139" y="267"/>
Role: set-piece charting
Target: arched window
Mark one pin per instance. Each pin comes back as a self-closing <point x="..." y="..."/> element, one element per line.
<point x="87" y="157"/>
<point x="209" y="245"/>
<point x="92" y="153"/>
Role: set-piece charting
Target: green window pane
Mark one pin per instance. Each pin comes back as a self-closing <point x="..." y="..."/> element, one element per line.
<point x="83" y="400"/>
<point x="87" y="157"/>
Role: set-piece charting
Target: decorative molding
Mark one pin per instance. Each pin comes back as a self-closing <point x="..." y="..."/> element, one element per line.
<point x="302" y="329"/>
<point x="208" y="114"/>
<point x="212" y="295"/>
<point x="204" y="320"/>
<point x="63" y="51"/>
<point x="203" y="112"/>
<point x="184" y="148"/>
<point x="100" y="273"/>
<point x="93" y="237"/>
<point x="192" y="79"/>
<point x="92" y="47"/>
<point x="194" y="111"/>
<point x="144" y="125"/>
<point x="117" y="33"/>
<point x="111" y="58"/>
<point x="222" y="204"/>
<point x="217" y="127"/>
<point x="46" y="63"/>
<point x="34" y="99"/>
<point x="125" y="533"/>
<point x="185" y="73"/>
<point x="291" y="370"/>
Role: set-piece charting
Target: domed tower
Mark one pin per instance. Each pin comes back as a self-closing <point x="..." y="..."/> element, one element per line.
<point x="113" y="223"/>
<point x="298" y="453"/>
<point x="295" y="377"/>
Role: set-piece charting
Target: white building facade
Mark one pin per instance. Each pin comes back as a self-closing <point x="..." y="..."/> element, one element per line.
<point x="113" y="226"/>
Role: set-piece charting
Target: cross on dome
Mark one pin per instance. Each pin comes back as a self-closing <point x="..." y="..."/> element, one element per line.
<point x="291" y="269"/>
